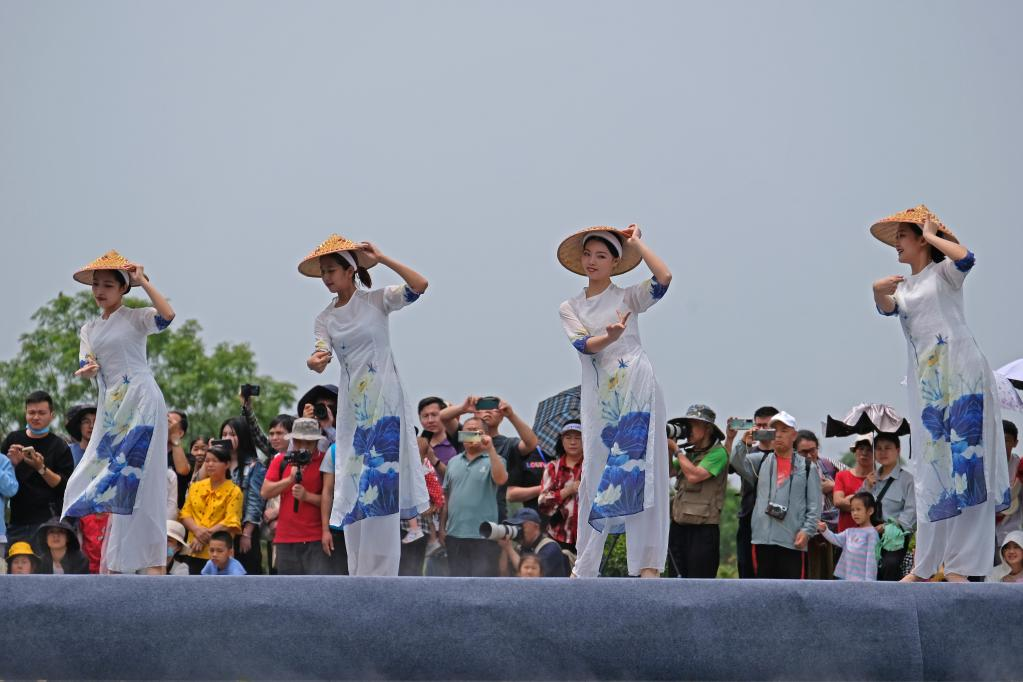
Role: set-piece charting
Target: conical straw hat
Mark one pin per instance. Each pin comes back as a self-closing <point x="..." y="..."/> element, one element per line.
<point x="571" y="251"/>
<point x="111" y="260"/>
<point x="335" y="243"/>
<point x="886" y="228"/>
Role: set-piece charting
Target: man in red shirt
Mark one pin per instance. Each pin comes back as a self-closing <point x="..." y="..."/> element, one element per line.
<point x="849" y="481"/>
<point x="295" y="476"/>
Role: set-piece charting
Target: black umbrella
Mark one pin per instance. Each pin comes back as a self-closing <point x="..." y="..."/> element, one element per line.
<point x="867" y="418"/>
<point x="552" y="413"/>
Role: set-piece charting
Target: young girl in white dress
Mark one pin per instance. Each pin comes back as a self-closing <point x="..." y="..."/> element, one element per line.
<point x="624" y="486"/>
<point x="378" y="475"/>
<point x="960" y="473"/>
<point x="124" y="468"/>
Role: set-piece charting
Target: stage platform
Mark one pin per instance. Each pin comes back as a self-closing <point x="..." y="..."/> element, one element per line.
<point x="134" y="627"/>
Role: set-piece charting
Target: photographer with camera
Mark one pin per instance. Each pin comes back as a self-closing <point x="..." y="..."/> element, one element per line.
<point x="524" y="465"/>
<point x="694" y="537"/>
<point x="748" y="491"/>
<point x="320" y="403"/>
<point x="295" y="476"/>
<point x="471" y="487"/>
<point x="525" y="529"/>
<point x="788" y="505"/>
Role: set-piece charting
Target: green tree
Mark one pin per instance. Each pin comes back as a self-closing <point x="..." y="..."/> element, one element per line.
<point x="202" y="384"/>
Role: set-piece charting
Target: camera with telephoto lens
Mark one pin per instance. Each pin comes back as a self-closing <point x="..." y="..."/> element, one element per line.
<point x="678" y="429"/>
<point x="499" y="531"/>
<point x="298" y="459"/>
<point x="776" y="511"/>
<point x="249" y="390"/>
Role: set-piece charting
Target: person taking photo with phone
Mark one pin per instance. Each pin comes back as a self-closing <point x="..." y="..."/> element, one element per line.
<point x="625" y="473"/>
<point x="378" y="473"/>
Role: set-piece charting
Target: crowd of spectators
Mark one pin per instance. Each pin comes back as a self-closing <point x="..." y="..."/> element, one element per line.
<point x="245" y="501"/>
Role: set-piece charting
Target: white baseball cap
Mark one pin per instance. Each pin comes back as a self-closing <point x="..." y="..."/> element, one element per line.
<point x="785" y="418"/>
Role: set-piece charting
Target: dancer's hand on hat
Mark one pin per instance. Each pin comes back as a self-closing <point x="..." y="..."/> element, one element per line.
<point x="633" y="233"/>
<point x="614" y="331"/>
<point x="886" y="285"/>
<point x="930" y="228"/>
<point x="318" y="361"/>
<point x="88" y="370"/>
<point x="371" y="254"/>
<point x="136" y="274"/>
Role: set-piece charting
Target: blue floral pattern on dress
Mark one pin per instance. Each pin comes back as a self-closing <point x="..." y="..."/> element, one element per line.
<point x="115" y="489"/>
<point x="620" y="491"/>
<point x="378" y="445"/>
<point x="966" y="263"/>
<point x="657" y="291"/>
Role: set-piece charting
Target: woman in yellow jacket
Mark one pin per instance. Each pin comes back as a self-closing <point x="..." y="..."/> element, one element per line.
<point x="212" y="504"/>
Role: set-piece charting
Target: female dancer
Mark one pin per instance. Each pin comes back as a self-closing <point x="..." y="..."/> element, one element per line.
<point x="124" y="468"/>
<point x="624" y="484"/>
<point x="959" y="469"/>
<point x="377" y="471"/>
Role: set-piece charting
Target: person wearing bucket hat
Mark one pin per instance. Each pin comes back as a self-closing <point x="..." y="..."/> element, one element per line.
<point x="694" y="538"/>
<point x="378" y="472"/>
<point x="78" y="424"/>
<point x="176" y="544"/>
<point x="625" y="473"/>
<point x="21" y="560"/>
<point x="296" y="477"/>
<point x="320" y="403"/>
<point x="960" y="474"/>
<point x="59" y="549"/>
<point x="123" y="470"/>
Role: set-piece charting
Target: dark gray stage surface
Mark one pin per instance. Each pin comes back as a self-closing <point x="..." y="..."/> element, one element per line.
<point x="130" y="627"/>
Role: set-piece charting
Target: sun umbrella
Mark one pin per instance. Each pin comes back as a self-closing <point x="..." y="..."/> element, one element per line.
<point x="867" y="418"/>
<point x="1008" y="396"/>
<point x="551" y="415"/>
<point x="1013" y="372"/>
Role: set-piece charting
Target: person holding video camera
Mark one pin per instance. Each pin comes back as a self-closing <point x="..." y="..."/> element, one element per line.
<point x="694" y="538"/>
<point x="788" y="504"/>
<point x="471" y="485"/>
<point x="295" y="476"/>
<point x="525" y="529"/>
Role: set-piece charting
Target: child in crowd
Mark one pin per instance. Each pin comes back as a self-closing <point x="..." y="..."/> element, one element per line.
<point x="858" y="543"/>
<point x="530" y="566"/>
<point x="61" y="553"/>
<point x="222" y="561"/>
<point x="176" y="535"/>
<point x="21" y="560"/>
<point x="1011" y="568"/>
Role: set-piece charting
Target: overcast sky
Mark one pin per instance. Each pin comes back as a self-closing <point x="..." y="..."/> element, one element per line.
<point x="218" y="142"/>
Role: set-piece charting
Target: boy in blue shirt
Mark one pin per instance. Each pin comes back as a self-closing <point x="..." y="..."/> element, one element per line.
<point x="222" y="561"/>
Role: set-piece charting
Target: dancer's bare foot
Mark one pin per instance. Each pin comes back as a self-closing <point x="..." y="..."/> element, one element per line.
<point x="649" y="573"/>
<point x="955" y="578"/>
<point x="910" y="578"/>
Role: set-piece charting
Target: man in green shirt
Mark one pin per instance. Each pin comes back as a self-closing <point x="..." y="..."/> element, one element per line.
<point x="471" y="485"/>
<point x="694" y="539"/>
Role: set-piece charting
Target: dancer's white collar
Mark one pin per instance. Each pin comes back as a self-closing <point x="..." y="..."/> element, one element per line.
<point x="609" y="236"/>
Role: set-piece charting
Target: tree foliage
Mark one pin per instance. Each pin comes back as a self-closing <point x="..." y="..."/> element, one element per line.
<point x="202" y="384"/>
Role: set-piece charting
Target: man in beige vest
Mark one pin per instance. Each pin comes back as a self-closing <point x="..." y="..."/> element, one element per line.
<point x="694" y="538"/>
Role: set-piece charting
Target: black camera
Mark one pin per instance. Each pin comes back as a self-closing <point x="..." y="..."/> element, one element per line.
<point x="499" y="531"/>
<point x="298" y="459"/>
<point x="678" y="429"/>
<point x="320" y="411"/>
<point x="249" y="390"/>
<point x="776" y="511"/>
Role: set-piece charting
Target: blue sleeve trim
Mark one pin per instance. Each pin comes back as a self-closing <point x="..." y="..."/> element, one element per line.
<point x="580" y="345"/>
<point x="656" y="290"/>
<point x="966" y="263"/>
<point x="411" y="296"/>
<point x="894" y="312"/>
<point x="82" y="363"/>
<point x="162" y="322"/>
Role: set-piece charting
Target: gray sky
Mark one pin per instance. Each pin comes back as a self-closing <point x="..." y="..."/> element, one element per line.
<point x="217" y="143"/>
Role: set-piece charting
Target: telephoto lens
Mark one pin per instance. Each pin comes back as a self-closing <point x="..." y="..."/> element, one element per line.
<point x="499" y="531"/>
